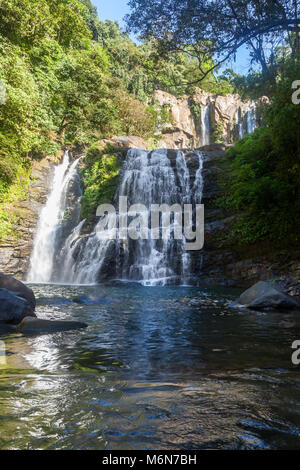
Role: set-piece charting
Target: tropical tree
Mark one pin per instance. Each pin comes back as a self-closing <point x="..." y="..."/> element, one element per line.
<point x="218" y="28"/>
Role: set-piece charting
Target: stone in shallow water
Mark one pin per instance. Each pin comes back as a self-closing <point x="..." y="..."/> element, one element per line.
<point x="13" y="285"/>
<point x="265" y="296"/>
<point x="13" y="308"/>
<point x="38" y="325"/>
<point x="90" y="299"/>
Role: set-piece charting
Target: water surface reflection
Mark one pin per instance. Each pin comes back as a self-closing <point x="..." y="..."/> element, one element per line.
<point x="157" y="368"/>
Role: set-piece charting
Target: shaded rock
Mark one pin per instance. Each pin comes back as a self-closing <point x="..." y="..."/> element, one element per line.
<point x="38" y="325"/>
<point x="13" y="285"/>
<point x="53" y="301"/>
<point x="294" y="290"/>
<point x="90" y="299"/>
<point x="227" y="114"/>
<point x="13" y="307"/>
<point x="264" y="296"/>
<point x="125" y="142"/>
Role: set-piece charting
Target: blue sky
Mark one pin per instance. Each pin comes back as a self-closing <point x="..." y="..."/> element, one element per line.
<point x="116" y="10"/>
<point x="112" y="9"/>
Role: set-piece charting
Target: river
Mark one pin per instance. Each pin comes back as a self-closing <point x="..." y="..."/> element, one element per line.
<point x="157" y="368"/>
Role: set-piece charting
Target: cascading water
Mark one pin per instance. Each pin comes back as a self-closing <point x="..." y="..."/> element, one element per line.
<point x="158" y="177"/>
<point x="205" y="125"/>
<point x="50" y="230"/>
<point x="67" y="274"/>
<point x="251" y="118"/>
<point x="246" y="120"/>
<point x="239" y="123"/>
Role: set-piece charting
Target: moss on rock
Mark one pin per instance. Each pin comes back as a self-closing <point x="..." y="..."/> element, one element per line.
<point x="100" y="176"/>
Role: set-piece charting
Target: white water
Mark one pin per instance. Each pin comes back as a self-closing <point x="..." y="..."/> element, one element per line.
<point x="251" y="118"/>
<point x="43" y="255"/>
<point x="158" y="177"/>
<point x="67" y="274"/>
<point x="147" y="178"/>
<point x="246" y="120"/>
<point x="205" y="125"/>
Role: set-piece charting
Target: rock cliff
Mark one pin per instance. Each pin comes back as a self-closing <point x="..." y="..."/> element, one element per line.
<point x="224" y="262"/>
<point x="15" y="250"/>
<point x="203" y="118"/>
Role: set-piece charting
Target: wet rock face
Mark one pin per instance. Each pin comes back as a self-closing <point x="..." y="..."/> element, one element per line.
<point x="15" y="250"/>
<point x="225" y="118"/>
<point x="221" y="260"/>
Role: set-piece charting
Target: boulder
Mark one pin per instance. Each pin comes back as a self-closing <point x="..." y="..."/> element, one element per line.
<point x="13" y="307"/>
<point x="181" y="131"/>
<point x="13" y="285"/>
<point x="265" y="296"/>
<point x="38" y="325"/>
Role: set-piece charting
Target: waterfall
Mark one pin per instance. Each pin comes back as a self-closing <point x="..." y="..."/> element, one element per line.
<point x="157" y="177"/>
<point x="251" y="118"/>
<point x="205" y="125"/>
<point x="51" y="224"/>
<point x="239" y="123"/>
<point x="246" y="120"/>
<point x="66" y="274"/>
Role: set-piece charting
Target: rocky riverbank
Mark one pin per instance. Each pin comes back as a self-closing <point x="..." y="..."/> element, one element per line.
<point x="17" y="310"/>
<point x="227" y="263"/>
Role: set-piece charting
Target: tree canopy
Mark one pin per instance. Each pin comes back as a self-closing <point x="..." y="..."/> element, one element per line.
<point x="218" y="28"/>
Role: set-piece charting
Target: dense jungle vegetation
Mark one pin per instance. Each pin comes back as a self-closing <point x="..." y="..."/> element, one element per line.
<point x="66" y="78"/>
<point x="263" y="174"/>
<point x="263" y="177"/>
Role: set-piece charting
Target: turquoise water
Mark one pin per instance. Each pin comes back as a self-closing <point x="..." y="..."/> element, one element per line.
<point x="157" y="368"/>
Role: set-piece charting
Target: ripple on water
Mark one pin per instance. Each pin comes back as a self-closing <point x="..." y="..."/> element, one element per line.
<point x="157" y="368"/>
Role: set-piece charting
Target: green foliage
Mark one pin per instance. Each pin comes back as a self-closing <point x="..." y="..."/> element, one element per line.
<point x="132" y="117"/>
<point x="218" y="134"/>
<point x="57" y="86"/>
<point x="251" y="86"/>
<point x="8" y="195"/>
<point x="100" y="178"/>
<point x="264" y="178"/>
<point x="143" y="69"/>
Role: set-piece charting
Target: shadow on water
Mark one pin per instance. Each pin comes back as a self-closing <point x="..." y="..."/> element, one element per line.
<point x="157" y="368"/>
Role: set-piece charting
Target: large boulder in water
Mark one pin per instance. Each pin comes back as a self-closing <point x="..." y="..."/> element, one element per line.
<point x="38" y="325"/>
<point x="14" y="307"/>
<point x="12" y="284"/>
<point x="265" y="296"/>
